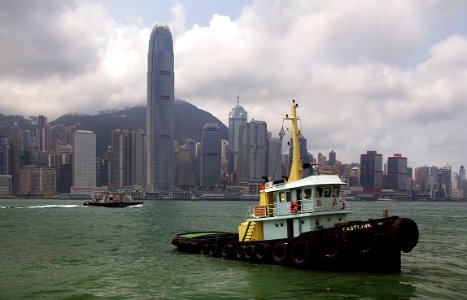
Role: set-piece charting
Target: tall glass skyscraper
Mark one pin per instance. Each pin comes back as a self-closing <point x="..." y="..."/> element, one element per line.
<point x="237" y="117"/>
<point x="160" y="110"/>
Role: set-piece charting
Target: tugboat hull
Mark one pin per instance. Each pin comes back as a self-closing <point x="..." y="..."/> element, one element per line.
<point x="373" y="245"/>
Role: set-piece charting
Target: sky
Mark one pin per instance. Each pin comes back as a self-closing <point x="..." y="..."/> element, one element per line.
<point x="389" y="76"/>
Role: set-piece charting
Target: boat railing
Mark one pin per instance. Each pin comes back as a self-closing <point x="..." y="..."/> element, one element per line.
<point x="299" y="207"/>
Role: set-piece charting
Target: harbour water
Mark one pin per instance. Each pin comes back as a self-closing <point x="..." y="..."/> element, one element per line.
<point x="59" y="249"/>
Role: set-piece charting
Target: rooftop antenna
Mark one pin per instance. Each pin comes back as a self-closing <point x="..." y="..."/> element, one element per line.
<point x="238" y="98"/>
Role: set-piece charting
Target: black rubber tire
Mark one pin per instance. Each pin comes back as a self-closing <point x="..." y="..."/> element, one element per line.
<point x="249" y="252"/>
<point x="330" y="246"/>
<point x="240" y="252"/>
<point x="227" y="250"/>
<point x="299" y="252"/>
<point x="213" y="250"/>
<point x="204" y="249"/>
<point x="279" y="253"/>
<point x="261" y="251"/>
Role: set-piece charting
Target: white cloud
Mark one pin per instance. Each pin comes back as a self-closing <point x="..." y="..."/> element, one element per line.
<point x="367" y="75"/>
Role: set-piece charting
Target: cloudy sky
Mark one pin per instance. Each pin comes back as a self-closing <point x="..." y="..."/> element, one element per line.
<point x="389" y="76"/>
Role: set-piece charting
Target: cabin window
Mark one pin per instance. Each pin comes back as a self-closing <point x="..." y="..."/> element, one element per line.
<point x="335" y="191"/>
<point x="282" y="196"/>
<point x="307" y="193"/>
<point x="299" y="194"/>
<point x="288" y="196"/>
<point x="323" y="192"/>
<point x="319" y="191"/>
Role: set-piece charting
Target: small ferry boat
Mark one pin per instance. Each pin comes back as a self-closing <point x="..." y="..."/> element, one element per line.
<point x="303" y="222"/>
<point x="111" y="199"/>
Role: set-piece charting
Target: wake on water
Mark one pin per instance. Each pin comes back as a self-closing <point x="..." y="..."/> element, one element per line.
<point x="42" y="206"/>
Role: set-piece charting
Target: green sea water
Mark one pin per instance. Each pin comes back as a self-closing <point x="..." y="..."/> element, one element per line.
<point x="59" y="249"/>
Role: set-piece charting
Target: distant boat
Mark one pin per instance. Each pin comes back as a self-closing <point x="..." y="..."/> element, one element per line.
<point x="384" y="199"/>
<point x="111" y="199"/>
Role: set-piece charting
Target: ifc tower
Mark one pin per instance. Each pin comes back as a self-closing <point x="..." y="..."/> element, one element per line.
<point x="160" y="111"/>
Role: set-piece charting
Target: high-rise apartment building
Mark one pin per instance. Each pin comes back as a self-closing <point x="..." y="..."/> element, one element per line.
<point x="371" y="172"/>
<point x="237" y="118"/>
<point x="84" y="161"/>
<point x="160" y="111"/>
<point x="210" y="155"/>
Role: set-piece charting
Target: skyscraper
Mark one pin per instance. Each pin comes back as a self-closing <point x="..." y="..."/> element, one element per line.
<point x="210" y="155"/>
<point x="397" y="172"/>
<point x="237" y="117"/>
<point x="160" y="107"/>
<point x="253" y="147"/>
<point x="84" y="161"/>
<point x="371" y="172"/>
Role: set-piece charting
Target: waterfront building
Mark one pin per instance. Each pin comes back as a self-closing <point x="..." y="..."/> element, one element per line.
<point x="237" y="118"/>
<point x="84" y="161"/>
<point x="5" y="185"/>
<point x="321" y="160"/>
<point x="210" y="155"/>
<point x="15" y="156"/>
<point x="138" y="158"/>
<point x="332" y="158"/>
<point x="445" y="182"/>
<point x="5" y="156"/>
<point x="397" y="172"/>
<point x="184" y="167"/>
<point x="160" y="111"/>
<point x="371" y="172"/>
<point x="253" y="151"/>
<point x="120" y="158"/>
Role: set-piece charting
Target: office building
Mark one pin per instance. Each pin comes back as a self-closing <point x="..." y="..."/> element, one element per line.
<point x="237" y="118"/>
<point x="253" y="151"/>
<point x="397" y="172"/>
<point x="371" y="172"/>
<point x="160" y="111"/>
<point x="210" y="155"/>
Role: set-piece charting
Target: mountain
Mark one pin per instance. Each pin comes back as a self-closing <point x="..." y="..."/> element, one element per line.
<point x="189" y="122"/>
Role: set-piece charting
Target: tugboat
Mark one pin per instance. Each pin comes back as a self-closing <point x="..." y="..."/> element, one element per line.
<point x="111" y="199"/>
<point x="302" y="222"/>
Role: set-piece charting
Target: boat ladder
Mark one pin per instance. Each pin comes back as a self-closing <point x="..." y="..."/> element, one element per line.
<point x="250" y="229"/>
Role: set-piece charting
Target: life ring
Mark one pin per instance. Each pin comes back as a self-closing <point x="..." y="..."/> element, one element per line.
<point x="261" y="251"/>
<point x="240" y="251"/>
<point x="279" y="252"/>
<point x="294" y="207"/>
<point x="249" y="252"/>
<point x="299" y="252"/>
<point x="330" y="246"/>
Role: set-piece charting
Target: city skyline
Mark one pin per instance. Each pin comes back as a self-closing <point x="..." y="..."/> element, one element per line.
<point x="394" y="81"/>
